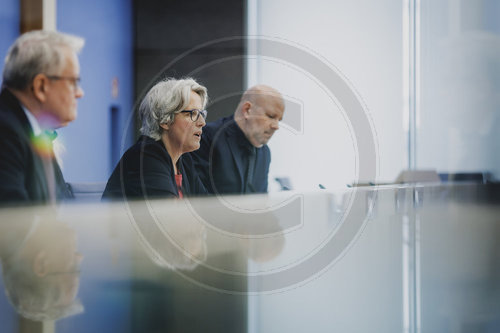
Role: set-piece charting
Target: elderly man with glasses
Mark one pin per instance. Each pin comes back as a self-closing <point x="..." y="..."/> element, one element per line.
<point x="39" y="94"/>
<point x="172" y="116"/>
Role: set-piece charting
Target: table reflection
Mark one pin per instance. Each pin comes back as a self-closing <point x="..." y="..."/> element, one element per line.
<point x="428" y="254"/>
<point x="40" y="267"/>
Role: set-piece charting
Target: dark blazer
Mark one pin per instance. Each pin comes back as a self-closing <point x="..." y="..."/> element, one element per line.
<point x="145" y="170"/>
<point x="22" y="173"/>
<point x="222" y="159"/>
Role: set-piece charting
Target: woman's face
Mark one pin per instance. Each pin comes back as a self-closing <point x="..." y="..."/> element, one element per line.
<point x="183" y="134"/>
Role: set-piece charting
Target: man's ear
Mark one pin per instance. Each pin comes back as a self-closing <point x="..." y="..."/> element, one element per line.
<point x="40" y="264"/>
<point x="166" y="127"/>
<point x="246" y="109"/>
<point x="40" y="87"/>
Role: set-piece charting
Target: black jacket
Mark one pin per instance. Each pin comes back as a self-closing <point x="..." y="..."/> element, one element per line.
<point x="22" y="174"/>
<point x="146" y="171"/>
<point x="222" y="159"/>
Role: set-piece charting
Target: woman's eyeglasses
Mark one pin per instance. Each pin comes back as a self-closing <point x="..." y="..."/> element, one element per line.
<point x="195" y="114"/>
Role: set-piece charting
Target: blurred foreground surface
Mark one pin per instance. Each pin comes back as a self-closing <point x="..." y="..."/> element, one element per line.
<point x="375" y="259"/>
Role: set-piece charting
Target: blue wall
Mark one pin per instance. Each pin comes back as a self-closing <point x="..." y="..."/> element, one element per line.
<point x="9" y="30"/>
<point x="107" y="27"/>
<point x="9" y="26"/>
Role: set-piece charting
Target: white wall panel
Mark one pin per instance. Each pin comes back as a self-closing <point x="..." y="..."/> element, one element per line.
<point x="362" y="39"/>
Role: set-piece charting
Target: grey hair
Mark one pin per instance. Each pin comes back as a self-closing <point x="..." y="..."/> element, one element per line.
<point x="36" y="52"/>
<point x="164" y="100"/>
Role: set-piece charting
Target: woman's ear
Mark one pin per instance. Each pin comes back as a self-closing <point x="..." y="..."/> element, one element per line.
<point x="166" y="127"/>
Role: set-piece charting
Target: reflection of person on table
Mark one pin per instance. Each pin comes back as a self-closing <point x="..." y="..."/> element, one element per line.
<point x="40" y="268"/>
<point x="181" y="244"/>
<point x="262" y="240"/>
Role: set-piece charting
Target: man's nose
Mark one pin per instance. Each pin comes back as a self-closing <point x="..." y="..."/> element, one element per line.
<point x="79" y="92"/>
<point x="275" y="124"/>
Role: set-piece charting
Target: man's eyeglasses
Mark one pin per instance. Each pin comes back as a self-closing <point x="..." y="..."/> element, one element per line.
<point x="195" y="114"/>
<point x="74" y="80"/>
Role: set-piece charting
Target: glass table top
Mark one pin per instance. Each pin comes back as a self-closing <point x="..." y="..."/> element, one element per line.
<point x="384" y="259"/>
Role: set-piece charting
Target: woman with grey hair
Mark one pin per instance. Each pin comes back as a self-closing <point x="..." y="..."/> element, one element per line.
<point x="172" y="116"/>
